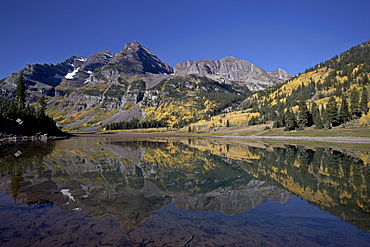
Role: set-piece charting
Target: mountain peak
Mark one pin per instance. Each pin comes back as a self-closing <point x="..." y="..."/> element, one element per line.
<point x="229" y="59"/>
<point x="132" y="44"/>
<point x="281" y="74"/>
<point x="135" y="58"/>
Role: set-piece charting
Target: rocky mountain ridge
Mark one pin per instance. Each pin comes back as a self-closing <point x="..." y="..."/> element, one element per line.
<point x="40" y="79"/>
<point x="106" y="88"/>
<point x="135" y="60"/>
<point x="84" y="67"/>
<point x="232" y="69"/>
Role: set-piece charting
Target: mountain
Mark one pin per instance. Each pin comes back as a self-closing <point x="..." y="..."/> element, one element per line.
<point x="281" y="74"/>
<point x="332" y="93"/>
<point x="134" y="84"/>
<point x="83" y="68"/>
<point x="40" y="79"/>
<point x="134" y="60"/>
<point x="137" y="59"/>
<point x="174" y="102"/>
<point x="229" y="69"/>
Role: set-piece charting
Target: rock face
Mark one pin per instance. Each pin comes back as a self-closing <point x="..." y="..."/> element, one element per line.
<point x="40" y="79"/>
<point x="96" y="60"/>
<point x="229" y="69"/>
<point x="137" y="59"/>
<point x="281" y="74"/>
<point x="133" y="60"/>
<point x="103" y="66"/>
<point x="83" y="68"/>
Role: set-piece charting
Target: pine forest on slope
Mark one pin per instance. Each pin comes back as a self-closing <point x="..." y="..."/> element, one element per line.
<point x="332" y="93"/>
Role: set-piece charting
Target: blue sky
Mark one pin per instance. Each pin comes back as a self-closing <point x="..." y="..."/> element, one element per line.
<point x="288" y="34"/>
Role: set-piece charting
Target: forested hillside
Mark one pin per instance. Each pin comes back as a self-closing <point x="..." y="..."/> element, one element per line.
<point x="329" y="94"/>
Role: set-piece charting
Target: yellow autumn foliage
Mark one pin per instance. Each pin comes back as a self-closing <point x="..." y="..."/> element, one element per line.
<point x="235" y="152"/>
<point x="365" y="120"/>
<point x="365" y="157"/>
<point x="304" y="79"/>
<point x="237" y="118"/>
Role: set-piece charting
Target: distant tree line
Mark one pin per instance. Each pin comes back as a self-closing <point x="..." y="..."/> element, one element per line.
<point x="136" y="124"/>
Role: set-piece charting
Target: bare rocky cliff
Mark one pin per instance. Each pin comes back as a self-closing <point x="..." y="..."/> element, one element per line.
<point x="281" y="74"/>
<point x="229" y="69"/>
<point x="40" y="79"/>
<point x="83" y="69"/>
<point x="134" y="60"/>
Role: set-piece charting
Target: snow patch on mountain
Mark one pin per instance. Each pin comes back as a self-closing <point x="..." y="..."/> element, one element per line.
<point x="71" y="74"/>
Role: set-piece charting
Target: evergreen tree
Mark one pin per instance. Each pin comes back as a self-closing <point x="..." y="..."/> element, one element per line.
<point x="332" y="111"/>
<point x="354" y="104"/>
<point x="316" y="116"/>
<point x="21" y="91"/>
<point x="364" y="101"/>
<point x="325" y="118"/>
<point x="304" y="116"/>
<point x="344" y="114"/>
<point x="42" y="108"/>
<point x="279" y="122"/>
<point x="253" y="121"/>
<point x="290" y="120"/>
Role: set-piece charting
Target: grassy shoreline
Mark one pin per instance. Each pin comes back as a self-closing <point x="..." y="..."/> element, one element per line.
<point x="337" y="138"/>
<point x="256" y="131"/>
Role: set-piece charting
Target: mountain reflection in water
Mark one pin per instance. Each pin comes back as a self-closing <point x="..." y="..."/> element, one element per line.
<point x="134" y="182"/>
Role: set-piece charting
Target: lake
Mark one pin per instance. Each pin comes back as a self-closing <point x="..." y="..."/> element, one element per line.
<point x="97" y="191"/>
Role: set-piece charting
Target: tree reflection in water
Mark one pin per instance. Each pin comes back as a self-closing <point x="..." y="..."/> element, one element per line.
<point x="191" y="190"/>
